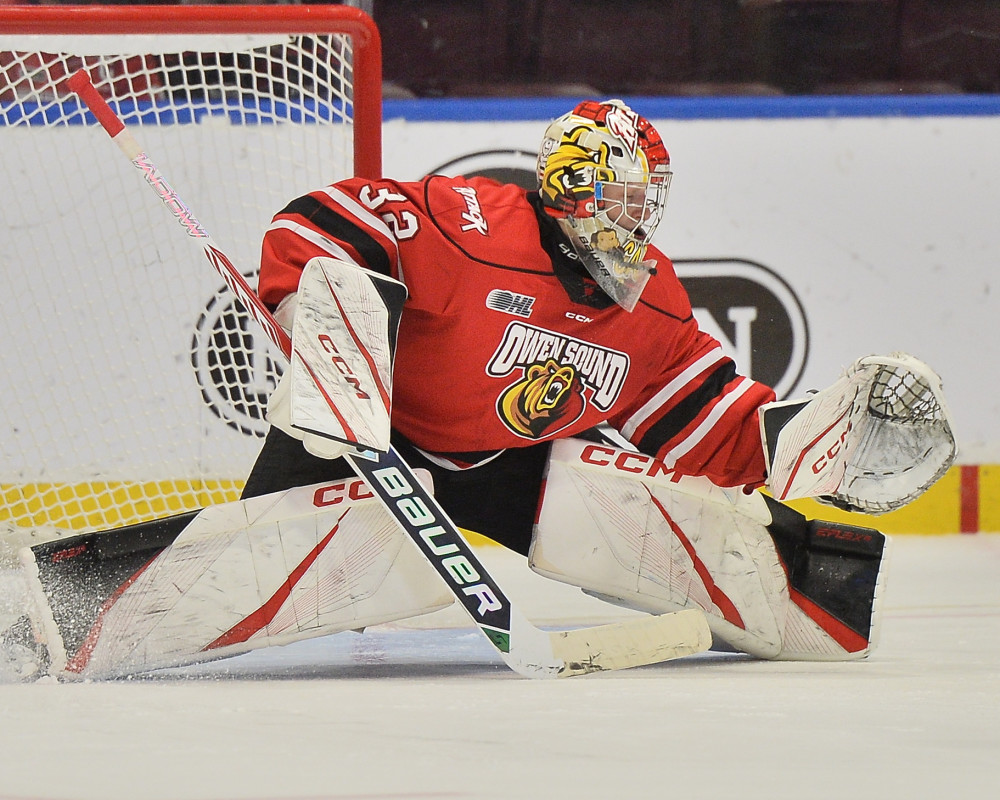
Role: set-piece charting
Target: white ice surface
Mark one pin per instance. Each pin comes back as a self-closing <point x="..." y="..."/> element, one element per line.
<point x="431" y="713"/>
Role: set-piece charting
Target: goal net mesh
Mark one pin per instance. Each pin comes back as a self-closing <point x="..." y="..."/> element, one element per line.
<point x="133" y="387"/>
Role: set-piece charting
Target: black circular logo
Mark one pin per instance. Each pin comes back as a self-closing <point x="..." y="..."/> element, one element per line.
<point x="753" y="313"/>
<point x="235" y="364"/>
<point x="503" y="166"/>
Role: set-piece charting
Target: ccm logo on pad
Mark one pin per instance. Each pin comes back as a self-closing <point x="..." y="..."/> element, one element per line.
<point x="342" y="366"/>
<point x="339" y="492"/>
<point x="831" y="452"/>
<point x="633" y="463"/>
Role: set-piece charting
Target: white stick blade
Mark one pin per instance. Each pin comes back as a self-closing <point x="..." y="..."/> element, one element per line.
<point x="649" y="640"/>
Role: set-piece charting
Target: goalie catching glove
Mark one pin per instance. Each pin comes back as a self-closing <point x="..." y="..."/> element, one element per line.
<point x="874" y="441"/>
<point x="336" y="395"/>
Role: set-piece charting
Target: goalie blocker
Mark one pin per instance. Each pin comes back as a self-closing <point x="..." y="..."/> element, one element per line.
<point x="336" y="395"/>
<point x="623" y="527"/>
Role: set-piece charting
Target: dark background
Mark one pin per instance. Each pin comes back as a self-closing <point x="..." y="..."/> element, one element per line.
<point x="484" y="48"/>
<point x="689" y="47"/>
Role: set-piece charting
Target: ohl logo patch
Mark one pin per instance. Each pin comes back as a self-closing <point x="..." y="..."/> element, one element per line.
<point x="557" y="376"/>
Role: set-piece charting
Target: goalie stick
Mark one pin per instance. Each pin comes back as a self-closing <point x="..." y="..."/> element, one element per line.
<point x="525" y="648"/>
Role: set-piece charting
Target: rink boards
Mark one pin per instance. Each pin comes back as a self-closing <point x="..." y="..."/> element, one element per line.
<point x="809" y="231"/>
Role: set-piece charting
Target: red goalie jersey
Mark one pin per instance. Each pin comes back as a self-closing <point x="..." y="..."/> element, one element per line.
<point x="505" y="341"/>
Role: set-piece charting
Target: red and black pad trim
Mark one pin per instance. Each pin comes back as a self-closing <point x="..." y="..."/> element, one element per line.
<point x="833" y="571"/>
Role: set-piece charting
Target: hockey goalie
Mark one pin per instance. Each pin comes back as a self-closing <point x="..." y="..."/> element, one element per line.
<point x="534" y="355"/>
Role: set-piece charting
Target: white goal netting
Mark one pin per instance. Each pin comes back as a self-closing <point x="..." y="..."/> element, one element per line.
<point x="132" y="386"/>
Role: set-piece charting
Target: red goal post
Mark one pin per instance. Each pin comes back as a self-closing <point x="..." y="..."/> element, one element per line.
<point x="133" y="386"/>
<point x="229" y="20"/>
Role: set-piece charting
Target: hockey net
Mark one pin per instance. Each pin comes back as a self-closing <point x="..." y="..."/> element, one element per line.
<point x="132" y="386"/>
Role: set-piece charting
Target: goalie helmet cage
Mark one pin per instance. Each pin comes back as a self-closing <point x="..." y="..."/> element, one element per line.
<point x="133" y="386"/>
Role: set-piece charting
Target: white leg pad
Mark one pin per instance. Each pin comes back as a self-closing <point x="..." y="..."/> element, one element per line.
<point x="621" y="526"/>
<point x="270" y="570"/>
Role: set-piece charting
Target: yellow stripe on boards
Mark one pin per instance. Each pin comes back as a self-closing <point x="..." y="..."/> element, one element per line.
<point x="98" y="505"/>
<point x="101" y="505"/>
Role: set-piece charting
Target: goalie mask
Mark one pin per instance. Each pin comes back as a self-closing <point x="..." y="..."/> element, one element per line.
<point x="604" y="176"/>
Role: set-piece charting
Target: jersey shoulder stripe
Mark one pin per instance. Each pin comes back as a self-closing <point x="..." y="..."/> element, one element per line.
<point x="341" y="228"/>
<point x="727" y="401"/>
<point x="312" y="236"/>
<point x="661" y="398"/>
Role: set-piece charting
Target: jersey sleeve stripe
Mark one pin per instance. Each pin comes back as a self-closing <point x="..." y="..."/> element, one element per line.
<point x="358" y="211"/>
<point x="687" y="409"/>
<point x="313" y="237"/>
<point x="663" y="396"/>
<point x="696" y="436"/>
<point x="328" y="221"/>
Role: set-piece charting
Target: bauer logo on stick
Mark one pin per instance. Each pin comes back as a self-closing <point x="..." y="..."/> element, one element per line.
<point x="441" y="546"/>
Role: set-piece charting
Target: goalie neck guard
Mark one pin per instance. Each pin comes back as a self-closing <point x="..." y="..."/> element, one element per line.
<point x="604" y="176"/>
